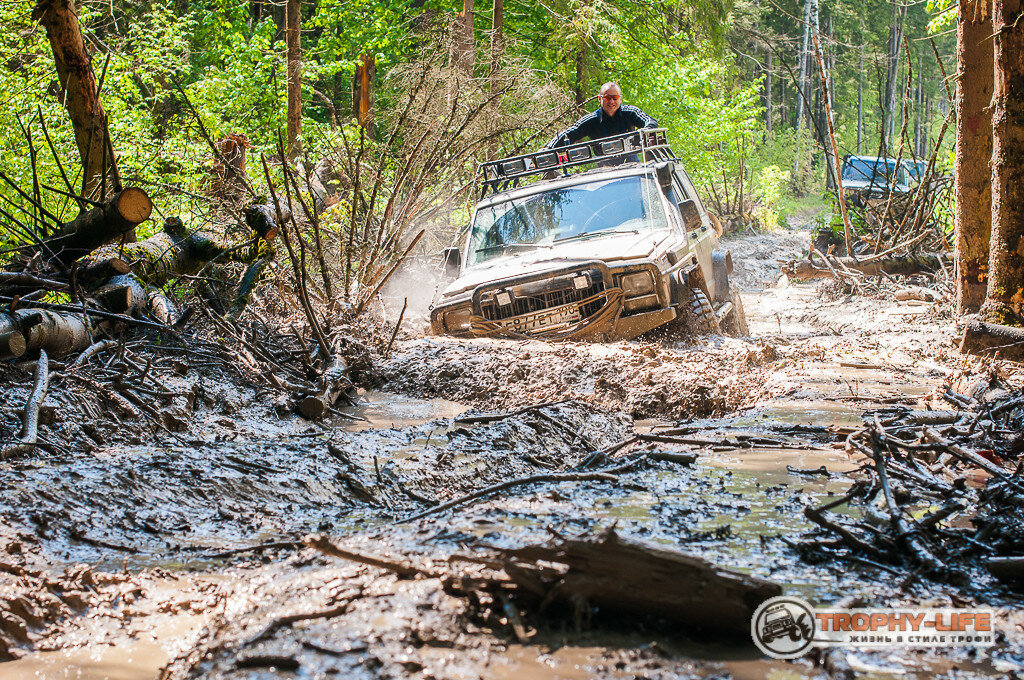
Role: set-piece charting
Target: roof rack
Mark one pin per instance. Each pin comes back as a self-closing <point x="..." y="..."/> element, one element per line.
<point x="500" y="174"/>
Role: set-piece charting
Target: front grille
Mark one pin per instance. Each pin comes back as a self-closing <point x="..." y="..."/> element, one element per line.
<point x="538" y="301"/>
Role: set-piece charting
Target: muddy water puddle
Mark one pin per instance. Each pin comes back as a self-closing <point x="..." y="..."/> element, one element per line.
<point x="379" y="410"/>
<point x="178" y="507"/>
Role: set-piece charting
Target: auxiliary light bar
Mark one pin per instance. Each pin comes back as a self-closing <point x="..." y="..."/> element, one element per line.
<point x="625" y="145"/>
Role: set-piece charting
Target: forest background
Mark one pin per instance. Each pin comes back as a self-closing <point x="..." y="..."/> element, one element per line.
<point x="738" y="85"/>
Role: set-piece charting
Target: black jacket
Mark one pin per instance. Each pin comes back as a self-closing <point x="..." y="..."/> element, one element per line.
<point x="598" y="124"/>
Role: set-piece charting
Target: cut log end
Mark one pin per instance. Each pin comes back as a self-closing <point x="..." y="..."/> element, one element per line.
<point x="12" y="345"/>
<point x="134" y="205"/>
<point x="313" y="407"/>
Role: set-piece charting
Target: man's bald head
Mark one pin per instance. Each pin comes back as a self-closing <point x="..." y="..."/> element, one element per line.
<point x="610" y="96"/>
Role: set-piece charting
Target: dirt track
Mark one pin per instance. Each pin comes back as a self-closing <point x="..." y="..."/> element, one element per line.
<point x="813" y="363"/>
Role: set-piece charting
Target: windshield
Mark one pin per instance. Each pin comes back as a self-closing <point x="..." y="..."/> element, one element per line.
<point x="628" y="204"/>
<point x="915" y="169"/>
<point x="869" y="169"/>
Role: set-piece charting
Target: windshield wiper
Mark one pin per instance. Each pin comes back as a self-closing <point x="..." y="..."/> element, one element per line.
<point x="592" y="234"/>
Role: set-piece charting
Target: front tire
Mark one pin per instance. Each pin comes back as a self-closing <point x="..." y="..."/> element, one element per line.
<point x="699" y="316"/>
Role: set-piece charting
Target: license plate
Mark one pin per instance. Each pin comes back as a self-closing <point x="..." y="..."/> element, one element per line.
<point x="545" y="319"/>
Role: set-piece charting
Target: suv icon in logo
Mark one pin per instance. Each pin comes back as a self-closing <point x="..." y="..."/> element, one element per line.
<point x="779" y="622"/>
<point x="783" y="627"/>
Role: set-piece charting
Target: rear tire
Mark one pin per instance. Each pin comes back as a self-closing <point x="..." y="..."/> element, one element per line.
<point x="736" y="323"/>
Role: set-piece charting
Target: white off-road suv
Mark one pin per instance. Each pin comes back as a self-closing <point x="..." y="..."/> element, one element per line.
<point x="605" y="253"/>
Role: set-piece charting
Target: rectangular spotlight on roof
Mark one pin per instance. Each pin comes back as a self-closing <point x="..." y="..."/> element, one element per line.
<point x="545" y="160"/>
<point x="609" y="148"/>
<point x="513" y="167"/>
<point x="580" y="153"/>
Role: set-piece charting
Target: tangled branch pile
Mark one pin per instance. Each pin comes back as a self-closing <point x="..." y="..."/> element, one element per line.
<point x="925" y="509"/>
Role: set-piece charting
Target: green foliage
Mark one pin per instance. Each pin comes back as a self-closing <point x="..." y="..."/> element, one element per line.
<point x="178" y="70"/>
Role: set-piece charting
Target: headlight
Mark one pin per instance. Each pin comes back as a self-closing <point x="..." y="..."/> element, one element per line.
<point x="637" y="284"/>
<point x="457" y="320"/>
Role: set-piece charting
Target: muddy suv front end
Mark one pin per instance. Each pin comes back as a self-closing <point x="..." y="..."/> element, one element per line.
<point x="585" y="300"/>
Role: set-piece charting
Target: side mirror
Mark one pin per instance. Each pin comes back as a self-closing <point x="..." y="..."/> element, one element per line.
<point x="691" y="214"/>
<point x="452" y="261"/>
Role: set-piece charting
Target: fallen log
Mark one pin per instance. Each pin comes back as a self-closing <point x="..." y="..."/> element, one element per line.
<point x="170" y="253"/>
<point x="989" y="339"/>
<point x="111" y="220"/>
<point x="30" y="414"/>
<point x="58" y="333"/>
<point x="904" y="265"/>
<point x="262" y="219"/>
<point x="333" y="383"/>
<point x="630" y="576"/>
<point x="126" y="294"/>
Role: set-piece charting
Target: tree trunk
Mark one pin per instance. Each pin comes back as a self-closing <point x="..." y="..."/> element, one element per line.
<point x="362" y="92"/>
<point x="497" y="35"/>
<point x="462" y="40"/>
<point x="293" y="17"/>
<point x="579" y="87"/>
<point x="79" y="93"/>
<point x="497" y="53"/>
<point x="332" y="385"/>
<point x="895" y="265"/>
<point x="1004" y="301"/>
<point x="229" y="167"/>
<point x="860" y="99"/>
<point x="117" y="216"/>
<point x="768" y="92"/>
<point x="973" y="188"/>
<point x="630" y="576"/>
<point x="893" y="72"/>
<point x="802" y="84"/>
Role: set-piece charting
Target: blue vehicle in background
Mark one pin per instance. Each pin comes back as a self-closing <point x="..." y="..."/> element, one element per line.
<point x="873" y="178"/>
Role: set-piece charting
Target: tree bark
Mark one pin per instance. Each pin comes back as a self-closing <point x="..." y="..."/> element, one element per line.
<point x="1004" y="300"/>
<point x="579" y="87"/>
<point x="768" y="113"/>
<point x="462" y="40"/>
<point x="973" y="188"/>
<point x="58" y="333"/>
<point x="333" y="383"/>
<point x="168" y="254"/>
<point x="117" y="216"/>
<point x="79" y="92"/>
<point x="893" y="72"/>
<point x="294" y="41"/>
<point x="362" y="92"/>
<point x="497" y="35"/>
<point x="229" y="167"/>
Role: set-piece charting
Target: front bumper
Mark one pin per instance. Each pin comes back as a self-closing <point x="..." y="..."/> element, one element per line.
<point x="587" y="301"/>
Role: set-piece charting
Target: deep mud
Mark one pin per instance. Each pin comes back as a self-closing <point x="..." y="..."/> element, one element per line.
<point x="193" y="538"/>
